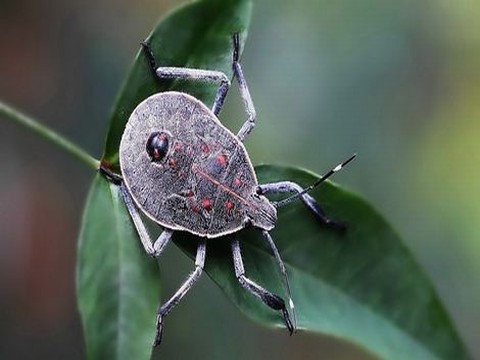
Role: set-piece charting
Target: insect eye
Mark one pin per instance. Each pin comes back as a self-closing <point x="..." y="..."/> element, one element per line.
<point x="157" y="146"/>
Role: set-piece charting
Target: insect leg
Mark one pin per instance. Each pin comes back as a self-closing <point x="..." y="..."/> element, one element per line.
<point x="282" y="187"/>
<point x="248" y="126"/>
<point x="283" y="270"/>
<point x="156" y="248"/>
<point x="182" y="291"/>
<point x="210" y="76"/>
<point x="271" y="300"/>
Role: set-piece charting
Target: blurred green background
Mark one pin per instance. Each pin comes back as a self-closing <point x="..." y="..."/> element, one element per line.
<point x="396" y="81"/>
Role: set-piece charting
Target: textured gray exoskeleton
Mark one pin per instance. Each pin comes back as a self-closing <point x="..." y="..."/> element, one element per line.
<point x="187" y="172"/>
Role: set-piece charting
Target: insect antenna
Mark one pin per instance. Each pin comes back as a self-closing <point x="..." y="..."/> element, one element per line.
<point x="324" y="177"/>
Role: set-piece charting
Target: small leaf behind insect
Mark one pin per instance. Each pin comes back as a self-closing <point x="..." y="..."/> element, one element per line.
<point x="117" y="284"/>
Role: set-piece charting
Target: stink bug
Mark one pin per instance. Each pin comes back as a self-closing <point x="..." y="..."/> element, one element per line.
<point x="187" y="172"/>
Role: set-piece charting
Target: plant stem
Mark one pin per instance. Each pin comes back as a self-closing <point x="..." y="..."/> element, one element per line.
<point x="52" y="136"/>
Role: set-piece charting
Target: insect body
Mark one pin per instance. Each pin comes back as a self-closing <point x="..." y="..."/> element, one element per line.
<point x="196" y="174"/>
<point x="187" y="172"/>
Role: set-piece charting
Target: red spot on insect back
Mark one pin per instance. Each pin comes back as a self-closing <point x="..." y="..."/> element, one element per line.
<point x="229" y="205"/>
<point x="237" y="182"/>
<point x="207" y="205"/>
<point x="222" y="159"/>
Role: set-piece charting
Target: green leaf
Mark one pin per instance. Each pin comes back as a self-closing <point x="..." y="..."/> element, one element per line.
<point x="362" y="285"/>
<point x="117" y="284"/>
<point x="198" y="35"/>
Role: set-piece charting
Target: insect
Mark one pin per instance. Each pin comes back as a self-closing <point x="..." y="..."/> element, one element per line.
<point x="187" y="172"/>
